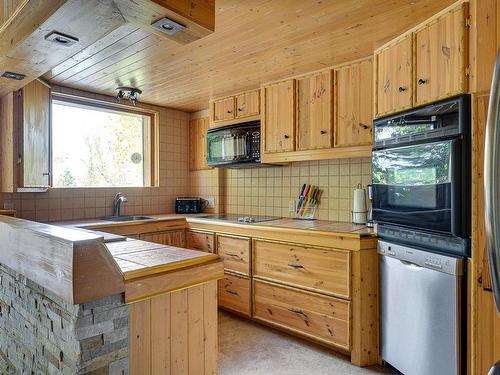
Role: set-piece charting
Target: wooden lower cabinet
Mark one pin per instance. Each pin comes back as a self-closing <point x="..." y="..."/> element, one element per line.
<point x="175" y="333"/>
<point x="173" y="238"/>
<point x="235" y="253"/>
<point x="322" y="318"/>
<point x="316" y="269"/>
<point x="234" y="294"/>
<point x="202" y="241"/>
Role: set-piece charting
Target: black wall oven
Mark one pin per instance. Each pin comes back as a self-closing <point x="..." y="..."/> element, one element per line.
<point x="421" y="175"/>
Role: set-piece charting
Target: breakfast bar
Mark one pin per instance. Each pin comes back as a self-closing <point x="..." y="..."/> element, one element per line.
<point x="76" y="301"/>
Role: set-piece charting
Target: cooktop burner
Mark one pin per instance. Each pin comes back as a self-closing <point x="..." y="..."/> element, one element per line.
<point x="242" y="218"/>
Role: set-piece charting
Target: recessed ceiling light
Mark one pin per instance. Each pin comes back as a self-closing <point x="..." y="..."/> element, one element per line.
<point x="62" y="39"/>
<point x="168" y="26"/>
<point x="12" y="75"/>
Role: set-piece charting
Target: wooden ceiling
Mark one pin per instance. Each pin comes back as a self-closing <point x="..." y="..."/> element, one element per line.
<point x="254" y="41"/>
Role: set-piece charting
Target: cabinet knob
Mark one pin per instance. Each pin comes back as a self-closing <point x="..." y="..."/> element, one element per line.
<point x="421" y="81"/>
<point x="323" y="131"/>
<point x="402" y="89"/>
<point x="46" y="174"/>
<point x="239" y="110"/>
<point x="286" y="136"/>
<point x="228" y="111"/>
<point x="364" y="126"/>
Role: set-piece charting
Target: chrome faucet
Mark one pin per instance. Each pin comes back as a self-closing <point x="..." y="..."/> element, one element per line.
<point x="117" y="203"/>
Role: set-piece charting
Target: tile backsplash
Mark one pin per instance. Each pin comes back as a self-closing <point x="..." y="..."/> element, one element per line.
<point x="268" y="191"/>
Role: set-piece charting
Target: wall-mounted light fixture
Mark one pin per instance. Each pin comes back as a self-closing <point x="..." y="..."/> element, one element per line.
<point x="130" y="93"/>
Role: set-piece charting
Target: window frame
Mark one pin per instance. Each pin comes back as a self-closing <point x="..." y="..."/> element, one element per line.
<point x="151" y="165"/>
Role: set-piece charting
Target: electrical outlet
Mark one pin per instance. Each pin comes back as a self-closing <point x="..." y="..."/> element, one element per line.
<point x="211" y="202"/>
<point x="291" y="205"/>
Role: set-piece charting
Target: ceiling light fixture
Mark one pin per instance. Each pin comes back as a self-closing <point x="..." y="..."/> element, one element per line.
<point x="61" y="39"/>
<point x="12" y="75"/>
<point x="130" y="93"/>
<point x="168" y="26"/>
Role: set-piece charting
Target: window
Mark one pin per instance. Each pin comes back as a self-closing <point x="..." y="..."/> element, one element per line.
<point x="99" y="145"/>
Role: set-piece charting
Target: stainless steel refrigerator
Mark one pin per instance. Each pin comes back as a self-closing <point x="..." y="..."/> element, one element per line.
<point x="491" y="189"/>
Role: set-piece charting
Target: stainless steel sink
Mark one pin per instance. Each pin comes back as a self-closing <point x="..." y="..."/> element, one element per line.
<point x="125" y="218"/>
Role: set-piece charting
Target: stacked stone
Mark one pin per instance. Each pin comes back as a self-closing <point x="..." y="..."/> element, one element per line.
<point x="42" y="334"/>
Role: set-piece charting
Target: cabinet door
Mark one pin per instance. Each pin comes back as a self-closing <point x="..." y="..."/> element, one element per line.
<point x="201" y="241"/>
<point x="198" y="145"/>
<point x="314" y="111"/>
<point x="440" y="57"/>
<point x="394" y="77"/>
<point x="248" y="104"/>
<point x="353" y="104"/>
<point x="36" y="104"/>
<point x="223" y="109"/>
<point x="172" y="238"/>
<point x="279" y="117"/>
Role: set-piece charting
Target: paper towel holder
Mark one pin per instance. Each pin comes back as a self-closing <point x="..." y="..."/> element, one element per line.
<point x="357" y="215"/>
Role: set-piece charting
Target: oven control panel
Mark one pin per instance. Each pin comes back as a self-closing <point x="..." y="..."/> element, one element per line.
<point x="255" y="145"/>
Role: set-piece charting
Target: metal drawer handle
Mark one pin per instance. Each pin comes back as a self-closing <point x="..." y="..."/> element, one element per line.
<point x="297" y="311"/>
<point x="232" y="254"/>
<point x="232" y="292"/>
<point x="296" y="266"/>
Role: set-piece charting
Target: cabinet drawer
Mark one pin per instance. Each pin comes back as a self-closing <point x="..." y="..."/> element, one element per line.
<point x="321" y="317"/>
<point x="235" y="252"/>
<point x="234" y="294"/>
<point x="202" y="241"/>
<point x="321" y="270"/>
<point x="172" y="238"/>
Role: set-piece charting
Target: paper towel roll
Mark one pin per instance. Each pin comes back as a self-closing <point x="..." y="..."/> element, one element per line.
<point x="359" y="206"/>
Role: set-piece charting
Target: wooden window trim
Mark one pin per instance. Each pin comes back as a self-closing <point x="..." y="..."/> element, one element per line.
<point x="151" y="134"/>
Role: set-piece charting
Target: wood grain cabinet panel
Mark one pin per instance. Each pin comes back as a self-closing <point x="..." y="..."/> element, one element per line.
<point x="279" y="116"/>
<point x="198" y="145"/>
<point x="441" y="57"/>
<point x="248" y="104"/>
<point x="202" y="241"/>
<point x="321" y="317"/>
<point x="321" y="270"/>
<point x="223" y="109"/>
<point x="235" y="253"/>
<point x="314" y="111"/>
<point x="394" y="69"/>
<point x="173" y="238"/>
<point x="353" y="104"/>
<point x="234" y="294"/>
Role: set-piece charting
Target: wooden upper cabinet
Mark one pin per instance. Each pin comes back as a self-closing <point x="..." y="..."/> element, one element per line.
<point x="353" y="104"/>
<point x="198" y="144"/>
<point x="279" y="116"/>
<point x="36" y="134"/>
<point x="440" y="57"/>
<point x="314" y="111"/>
<point x="248" y="104"/>
<point x="223" y="109"/>
<point x="394" y="69"/>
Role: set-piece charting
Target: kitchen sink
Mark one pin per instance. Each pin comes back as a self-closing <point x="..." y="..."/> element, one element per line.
<point x="125" y="218"/>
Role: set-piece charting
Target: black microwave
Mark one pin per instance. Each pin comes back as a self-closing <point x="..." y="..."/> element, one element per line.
<point x="421" y="169"/>
<point x="234" y="146"/>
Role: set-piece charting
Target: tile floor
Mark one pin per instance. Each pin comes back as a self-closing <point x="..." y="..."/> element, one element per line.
<point x="247" y="348"/>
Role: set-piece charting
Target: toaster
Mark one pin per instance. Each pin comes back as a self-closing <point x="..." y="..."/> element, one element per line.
<point x="190" y="205"/>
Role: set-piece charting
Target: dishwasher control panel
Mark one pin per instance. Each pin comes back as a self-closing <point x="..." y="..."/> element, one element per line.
<point x="438" y="262"/>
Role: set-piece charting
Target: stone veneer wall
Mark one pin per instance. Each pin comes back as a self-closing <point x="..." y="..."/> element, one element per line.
<point x="42" y="334"/>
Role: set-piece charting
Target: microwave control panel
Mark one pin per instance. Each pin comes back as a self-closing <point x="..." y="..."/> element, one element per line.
<point x="255" y="145"/>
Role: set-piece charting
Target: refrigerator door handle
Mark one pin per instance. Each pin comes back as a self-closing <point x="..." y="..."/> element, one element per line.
<point x="492" y="182"/>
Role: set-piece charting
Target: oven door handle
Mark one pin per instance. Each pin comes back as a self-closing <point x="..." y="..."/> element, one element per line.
<point x="458" y="217"/>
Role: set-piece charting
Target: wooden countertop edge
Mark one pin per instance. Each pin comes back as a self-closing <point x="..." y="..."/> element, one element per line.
<point x="173" y="266"/>
<point x="143" y="288"/>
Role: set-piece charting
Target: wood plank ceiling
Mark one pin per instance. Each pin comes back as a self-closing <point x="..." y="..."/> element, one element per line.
<point x="255" y="41"/>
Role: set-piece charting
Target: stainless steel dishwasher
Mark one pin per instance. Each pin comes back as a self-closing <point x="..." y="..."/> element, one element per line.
<point x="420" y="310"/>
